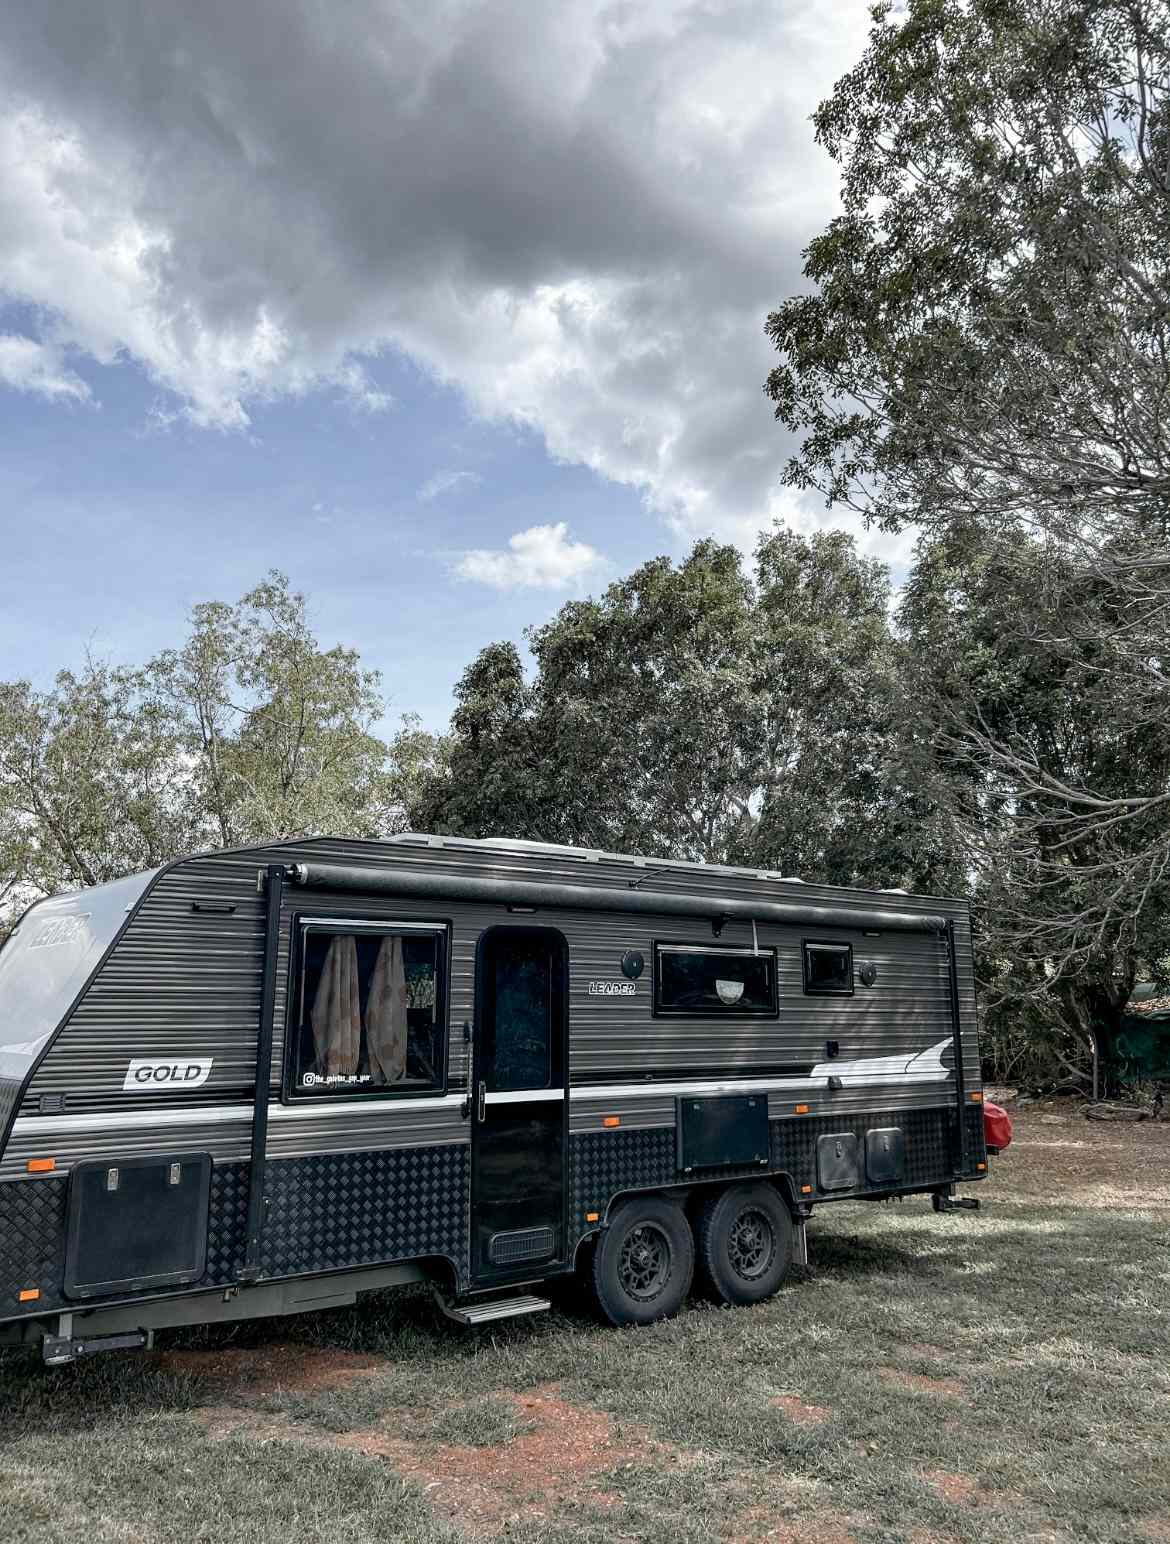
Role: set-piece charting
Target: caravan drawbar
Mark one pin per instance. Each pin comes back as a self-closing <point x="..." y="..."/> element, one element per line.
<point x="266" y="1080"/>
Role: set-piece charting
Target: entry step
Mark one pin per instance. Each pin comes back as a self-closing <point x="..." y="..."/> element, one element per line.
<point x="495" y="1308"/>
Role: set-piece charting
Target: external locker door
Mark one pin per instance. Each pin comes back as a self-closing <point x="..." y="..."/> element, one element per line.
<point x="519" y="1127"/>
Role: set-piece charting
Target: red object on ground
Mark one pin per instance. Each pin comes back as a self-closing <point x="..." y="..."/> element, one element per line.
<point x="997" y="1126"/>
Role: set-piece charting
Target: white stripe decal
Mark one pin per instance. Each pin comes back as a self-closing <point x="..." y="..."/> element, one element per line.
<point x="908" y="1070"/>
<point x="911" y="1069"/>
<point x="228" y="1114"/>
<point x="526" y="1096"/>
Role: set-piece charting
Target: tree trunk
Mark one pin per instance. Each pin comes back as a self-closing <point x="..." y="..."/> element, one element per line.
<point x="1093" y="1011"/>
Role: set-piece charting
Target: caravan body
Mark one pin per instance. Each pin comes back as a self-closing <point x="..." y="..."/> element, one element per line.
<point x="267" y="1079"/>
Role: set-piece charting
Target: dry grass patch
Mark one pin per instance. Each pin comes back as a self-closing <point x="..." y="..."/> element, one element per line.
<point x="920" y="1383"/>
<point x="263" y="1370"/>
<point x="796" y="1410"/>
<point x="760" y="1525"/>
<point x="996" y="1378"/>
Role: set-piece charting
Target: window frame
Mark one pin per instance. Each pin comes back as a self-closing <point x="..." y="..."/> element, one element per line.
<point x="728" y="1011"/>
<point x="826" y="943"/>
<point x="334" y="925"/>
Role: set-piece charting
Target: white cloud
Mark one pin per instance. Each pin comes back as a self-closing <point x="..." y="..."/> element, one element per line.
<point x="543" y="557"/>
<point x="577" y="214"/>
<point x="446" y="482"/>
<point x="39" y="367"/>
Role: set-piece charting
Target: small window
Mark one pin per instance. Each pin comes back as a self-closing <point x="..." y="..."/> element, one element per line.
<point x="368" y="1011"/>
<point x="714" y="982"/>
<point x="828" y="969"/>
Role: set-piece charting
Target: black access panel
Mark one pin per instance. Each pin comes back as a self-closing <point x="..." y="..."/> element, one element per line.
<point x="724" y="1131"/>
<point x="135" y="1223"/>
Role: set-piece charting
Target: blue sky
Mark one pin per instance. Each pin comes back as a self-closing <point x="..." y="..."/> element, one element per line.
<point x="448" y="312"/>
<point x="115" y="526"/>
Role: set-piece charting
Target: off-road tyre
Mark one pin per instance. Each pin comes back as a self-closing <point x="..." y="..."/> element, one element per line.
<point x="642" y="1267"/>
<point x="744" y="1244"/>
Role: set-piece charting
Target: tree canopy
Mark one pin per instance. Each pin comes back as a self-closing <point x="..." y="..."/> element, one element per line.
<point x="983" y="353"/>
<point x="699" y="711"/>
<point x="248" y="731"/>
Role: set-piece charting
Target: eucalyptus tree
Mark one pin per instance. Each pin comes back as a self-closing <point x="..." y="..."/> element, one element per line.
<point x="984" y="351"/>
<point x="247" y="731"/>
<point x="1012" y="733"/>
<point x="278" y="731"/>
<point x="699" y="711"/>
<point x="93" y="783"/>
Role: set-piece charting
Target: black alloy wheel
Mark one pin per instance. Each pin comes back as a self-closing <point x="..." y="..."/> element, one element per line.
<point x="643" y="1263"/>
<point x="744" y="1243"/>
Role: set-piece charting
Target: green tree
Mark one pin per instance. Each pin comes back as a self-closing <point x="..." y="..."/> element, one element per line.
<point x="984" y="352"/>
<point x="278" y="730"/>
<point x="989" y="333"/>
<point x="92" y="781"/>
<point x="249" y="731"/>
<point x="693" y="711"/>
<point x="1070" y="909"/>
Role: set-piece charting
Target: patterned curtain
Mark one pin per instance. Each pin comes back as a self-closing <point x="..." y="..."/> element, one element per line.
<point x="336" y="1014"/>
<point x="386" y="1021"/>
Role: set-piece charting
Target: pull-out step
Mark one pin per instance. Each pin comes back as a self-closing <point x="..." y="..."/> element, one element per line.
<point x="494" y="1308"/>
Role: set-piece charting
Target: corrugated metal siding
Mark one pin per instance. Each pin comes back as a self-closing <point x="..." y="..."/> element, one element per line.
<point x="9" y="1099"/>
<point x="184" y="983"/>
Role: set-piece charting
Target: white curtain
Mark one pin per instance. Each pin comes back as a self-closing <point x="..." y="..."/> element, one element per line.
<point x="386" y="1020"/>
<point x="336" y="1015"/>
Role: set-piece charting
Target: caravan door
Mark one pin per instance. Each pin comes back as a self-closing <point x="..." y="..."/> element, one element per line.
<point x="519" y="1104"/>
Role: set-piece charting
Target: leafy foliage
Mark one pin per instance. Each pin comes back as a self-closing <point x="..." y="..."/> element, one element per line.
<point x="695" y="712"/>
<point x="249" y="731"/>
<point x="985" y="354"/>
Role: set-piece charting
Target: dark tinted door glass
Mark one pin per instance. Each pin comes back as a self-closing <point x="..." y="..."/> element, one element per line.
<point x="518" y="1125"/>
<point x="522" y="980"/>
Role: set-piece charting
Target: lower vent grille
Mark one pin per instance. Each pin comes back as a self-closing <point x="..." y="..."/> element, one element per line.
<point x="527" y="1244"/>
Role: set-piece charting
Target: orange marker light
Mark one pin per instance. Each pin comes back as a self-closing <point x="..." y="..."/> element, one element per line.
<point x="612" y="1120"/>
<point x="801" y="1109"/>
<point x="806" y="1190"/>
<point x="976" y="1098"/>
<point x="41" y="1165"/>
<point x="29" y="1294"/>
<point x="980" y="1165"/>
<point x="592" y="1216"/>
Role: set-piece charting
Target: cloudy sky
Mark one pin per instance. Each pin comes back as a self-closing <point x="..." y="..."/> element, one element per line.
<point x="451" y="311"/>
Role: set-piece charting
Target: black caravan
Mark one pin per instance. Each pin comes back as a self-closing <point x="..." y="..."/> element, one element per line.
<point x="259" y="1081"/>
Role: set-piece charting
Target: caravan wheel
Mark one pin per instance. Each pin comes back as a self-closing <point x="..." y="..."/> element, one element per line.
<point x="643" y="1263"/>
<point x="744" y="1239"/>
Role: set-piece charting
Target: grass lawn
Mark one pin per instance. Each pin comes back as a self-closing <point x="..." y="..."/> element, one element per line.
<point x="995" y="1376"/>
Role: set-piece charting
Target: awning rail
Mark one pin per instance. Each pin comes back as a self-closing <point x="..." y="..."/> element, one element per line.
<point x="540" y="893"/>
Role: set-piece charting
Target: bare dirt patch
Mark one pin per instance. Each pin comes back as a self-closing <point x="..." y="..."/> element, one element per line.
<point x="927" y="1352"/>
<point x="267" y="1369"/>
<point x="798" y="1412"/>
<point x="920" y="1383"/>
<point x="959" y="1488"/>
<point x="1070" y="1161"/>
<point x="562" y="1458"/>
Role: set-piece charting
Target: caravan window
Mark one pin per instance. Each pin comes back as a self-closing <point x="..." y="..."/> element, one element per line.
<point x="367" y="1011"/>
<point x="828" y="969"/>
<point x="714" y="982"/>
